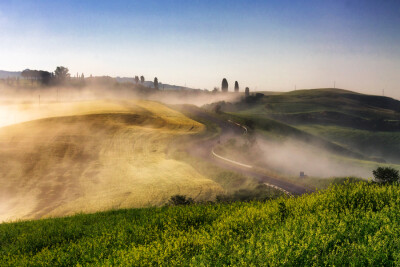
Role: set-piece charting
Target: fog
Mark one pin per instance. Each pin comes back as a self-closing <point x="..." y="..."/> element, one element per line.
<point x="20" y="104"/>
<point x="293" y="156"/>
<point x="45" y="162"/>
<point x="57" y="167"/>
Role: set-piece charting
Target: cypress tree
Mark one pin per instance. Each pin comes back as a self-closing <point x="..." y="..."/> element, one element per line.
<point x="247" y="91"/>
<point x="224" y="86"/>
<point x="156" y="83"/>
<point x="236" y="87"/>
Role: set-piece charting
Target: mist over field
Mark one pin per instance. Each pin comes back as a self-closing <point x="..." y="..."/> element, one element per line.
<point x="101" y="146"/>
<point x="199" y="133"/>
<point x="92" y="155"/>
<point x="24" y="104"/>
<point x="294" y="156"/>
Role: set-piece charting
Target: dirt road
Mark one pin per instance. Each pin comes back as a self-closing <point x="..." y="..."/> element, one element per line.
<point x="204" y="150"/>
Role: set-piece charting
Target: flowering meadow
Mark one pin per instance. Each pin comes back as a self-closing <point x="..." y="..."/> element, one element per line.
<point x="351" y="224"/>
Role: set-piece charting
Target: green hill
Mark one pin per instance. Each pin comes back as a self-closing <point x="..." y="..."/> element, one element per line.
<point x="352" y="224"/>
<point x="335" y="107"/>
<point x="366" y="125"/>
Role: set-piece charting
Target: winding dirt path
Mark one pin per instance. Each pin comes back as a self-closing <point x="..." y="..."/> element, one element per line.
<point x="205" y="150"/>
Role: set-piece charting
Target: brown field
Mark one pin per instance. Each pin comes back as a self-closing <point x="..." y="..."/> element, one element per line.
<point x="92" y="156"/>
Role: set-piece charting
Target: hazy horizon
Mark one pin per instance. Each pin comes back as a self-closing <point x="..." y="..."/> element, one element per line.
<point x="272" y="46"/>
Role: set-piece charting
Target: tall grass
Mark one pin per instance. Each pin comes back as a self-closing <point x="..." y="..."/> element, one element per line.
<point x="351" y="224"/>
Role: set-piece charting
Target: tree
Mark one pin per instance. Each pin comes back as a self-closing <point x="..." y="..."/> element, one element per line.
<point x="31" y="75"/>
<point x="141" y="79"/>
<point x="45" y="76"/>
<point x="386" y="175"/>
<point x="224" y="86"/>
<point x="38" y="75"/>
<point x="217" y="109"/>
<point x="236" y="87"/>
<point x="61" y="73"/>
<point x="156" y="83"/>
<point x="247" y="91"/>
<point x="26" y="73"/>
<point x="83" y="76"/>
<point x="136" y="79"/>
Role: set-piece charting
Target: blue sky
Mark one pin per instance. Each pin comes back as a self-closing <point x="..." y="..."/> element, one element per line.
<point x="266" y="45"/>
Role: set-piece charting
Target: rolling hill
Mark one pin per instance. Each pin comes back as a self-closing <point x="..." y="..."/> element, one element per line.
<point x="92" y="156"/>
<point x="112" y="155"/>
<point x="366" y="125"/>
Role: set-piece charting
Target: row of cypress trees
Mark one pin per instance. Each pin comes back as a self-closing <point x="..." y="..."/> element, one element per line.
<point x="224" y="87"/>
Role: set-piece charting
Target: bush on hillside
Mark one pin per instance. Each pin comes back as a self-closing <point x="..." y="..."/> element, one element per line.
<point x="251" y="99"/>
<point x="178" y="200"/>
<point x="386" y="175"/>
<point x="217" y="109"/>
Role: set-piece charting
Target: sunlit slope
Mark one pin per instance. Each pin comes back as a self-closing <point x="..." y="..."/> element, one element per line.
<point x="96" y="159"/>
<point x="12" y="113"/>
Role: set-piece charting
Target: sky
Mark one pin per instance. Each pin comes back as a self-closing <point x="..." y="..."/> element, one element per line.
<point x="265" y="45"/>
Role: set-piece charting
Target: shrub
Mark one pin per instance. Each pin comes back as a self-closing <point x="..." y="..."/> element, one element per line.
<point x="217" y="109"/>
<point x="386" y="175"/>
<point x="178" y="200"/>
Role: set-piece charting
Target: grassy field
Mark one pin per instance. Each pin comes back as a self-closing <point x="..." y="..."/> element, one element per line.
<point x="365" y="124"/>
<point x="353" y="224"/>
<point x="345" y="132"/>
<point x="286" y="150"/>
<point x="376" y="144"/>
<point x="93" y="156"/>
<point x="351" y="103"/>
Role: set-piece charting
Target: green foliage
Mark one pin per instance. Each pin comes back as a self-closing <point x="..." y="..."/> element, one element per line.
<point x="261" y="192"/>
<point x="386" y="175"/>
<point x="283" y="212"/>
<point x="354" y="224"/>
<point x="323" y="183"/>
